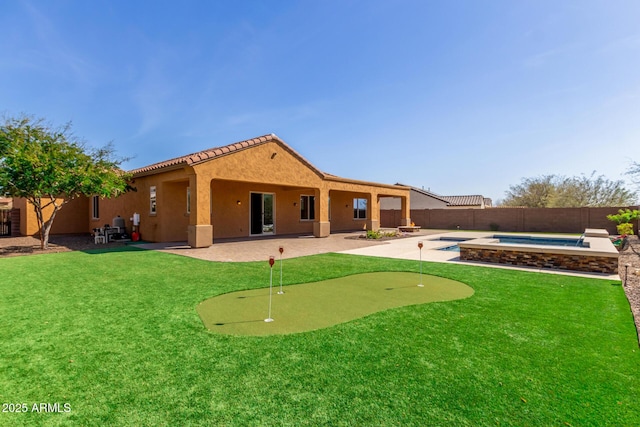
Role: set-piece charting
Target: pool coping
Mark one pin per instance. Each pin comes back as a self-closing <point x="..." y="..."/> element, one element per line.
<point x="407" y="249"/>
<point x="598" y="246"/>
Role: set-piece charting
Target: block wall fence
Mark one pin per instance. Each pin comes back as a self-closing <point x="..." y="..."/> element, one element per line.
<point x="550" y="220"/>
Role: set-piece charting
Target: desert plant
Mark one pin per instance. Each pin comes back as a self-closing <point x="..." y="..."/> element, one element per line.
<point x="623" y="218"/>
<point x="625" y="229"/>
<point x="373" y="234"/>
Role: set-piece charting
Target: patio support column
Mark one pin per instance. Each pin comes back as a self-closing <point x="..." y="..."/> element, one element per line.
<point x="200" y="230"/>
<point x="405" y="211"/>
<point x="321" y="225"/>
<point x="373" y="214"/>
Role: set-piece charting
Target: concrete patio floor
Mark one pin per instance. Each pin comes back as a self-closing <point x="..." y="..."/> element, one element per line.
<point x="259" y="249"/>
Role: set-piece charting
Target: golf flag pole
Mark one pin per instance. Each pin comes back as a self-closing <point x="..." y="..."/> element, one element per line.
<point x="281" y="249"/>
<point x="271" y="262"/>
<point x="420" y="247"/>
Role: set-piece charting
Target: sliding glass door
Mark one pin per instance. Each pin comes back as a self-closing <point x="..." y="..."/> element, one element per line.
<point x="262" y="214"/>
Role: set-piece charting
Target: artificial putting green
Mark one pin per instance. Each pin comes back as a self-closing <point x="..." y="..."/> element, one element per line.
<point x="318" y="305"/>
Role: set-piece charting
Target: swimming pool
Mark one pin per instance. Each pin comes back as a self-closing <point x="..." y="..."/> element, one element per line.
<point x="451" y="239"/>
<point x="453" y="248"/>
<point x="592" y="252"/>
<point x="544" y="241"/>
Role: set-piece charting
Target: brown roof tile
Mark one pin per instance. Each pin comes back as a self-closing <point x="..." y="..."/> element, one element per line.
<point x="194" y="158"/>
<point x="211" y="153"/>
<point x="474" y="200"/>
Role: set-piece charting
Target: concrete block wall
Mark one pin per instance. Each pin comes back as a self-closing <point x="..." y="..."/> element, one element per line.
<point x="550" y="220"/>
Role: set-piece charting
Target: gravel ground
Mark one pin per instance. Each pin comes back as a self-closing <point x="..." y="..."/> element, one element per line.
<point x="628" y="262"/>
<point x="629" y="270"/>
<point x="14" y="246"/>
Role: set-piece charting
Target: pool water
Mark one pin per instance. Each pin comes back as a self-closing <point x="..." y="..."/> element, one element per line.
<point x="454" y="248"/>
<point x="526" y="240"/>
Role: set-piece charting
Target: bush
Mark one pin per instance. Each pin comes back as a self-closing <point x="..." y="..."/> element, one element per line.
<point x="373" y="234"/>
<point x="494" y="227"/>
<point x="626" y="228"/>
<point x="623" y="218"/>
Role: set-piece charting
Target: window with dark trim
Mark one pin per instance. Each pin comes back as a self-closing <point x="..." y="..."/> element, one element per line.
<point x="359" y="208"/>
<point x="152" y="200"/>
<point x="188" y="200"/>
<point x="95" y="207"/>
<point x="307" y="207"/>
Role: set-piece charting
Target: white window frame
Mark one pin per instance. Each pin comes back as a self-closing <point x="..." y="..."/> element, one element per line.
<point x="358" y="210"/>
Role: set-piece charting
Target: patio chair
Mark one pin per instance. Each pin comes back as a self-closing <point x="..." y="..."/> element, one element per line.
<point x="98" y="236"/>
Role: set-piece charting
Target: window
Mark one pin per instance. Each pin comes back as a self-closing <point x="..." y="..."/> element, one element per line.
<point x="152" y="200"/>
<point x="359" y="208"/>
<point x="307" y="207"/>
<point x="95" y="207"/>
<point x="188" y="200"/>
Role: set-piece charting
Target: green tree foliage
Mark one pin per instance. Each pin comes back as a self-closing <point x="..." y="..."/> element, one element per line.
<point x="624" y="219"/>
<point x="553" y="191"/>
<point x="50" y="167"/>
<point x="531" y="192"/>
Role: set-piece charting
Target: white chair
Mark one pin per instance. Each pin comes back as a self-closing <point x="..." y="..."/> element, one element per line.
<point x="98" y="236"/>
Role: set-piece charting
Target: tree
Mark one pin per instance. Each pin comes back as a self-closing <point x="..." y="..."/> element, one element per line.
<point x="553" y="191"/>
<point x="532" y="192"/>
<point x="634" y="172"/>
<point x="50" y="167"/>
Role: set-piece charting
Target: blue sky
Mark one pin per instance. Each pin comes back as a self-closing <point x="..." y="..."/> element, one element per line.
<point x="458" y="96"/>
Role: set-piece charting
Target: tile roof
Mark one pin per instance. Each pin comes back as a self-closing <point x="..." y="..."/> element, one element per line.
<point x="474" y="200"/>
<point x="208" y="154"/>
<point x="211" y="153"/>
<point x="426" y="193"/>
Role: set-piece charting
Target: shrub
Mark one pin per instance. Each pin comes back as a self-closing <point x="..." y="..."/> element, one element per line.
<point x="623" y="218"/>
<point x="494" y="227"/>
<point x="373" y="234"/>
<point x="626" y="228"/>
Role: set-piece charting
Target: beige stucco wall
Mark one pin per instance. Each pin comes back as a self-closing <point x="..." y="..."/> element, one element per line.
<point x="231" y="219"/>
<point x="219" y="183"/>
<point x="169" y="224"/>
<point x="71" y="219"/>
<point x="342" y="211"/>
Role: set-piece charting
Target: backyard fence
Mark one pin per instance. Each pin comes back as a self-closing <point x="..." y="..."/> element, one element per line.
<point x="551" y="220"/>
<point x="5" y="222"/>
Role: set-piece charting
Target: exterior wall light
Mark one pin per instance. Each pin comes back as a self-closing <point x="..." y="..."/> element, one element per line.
<point x="238" y="202"/>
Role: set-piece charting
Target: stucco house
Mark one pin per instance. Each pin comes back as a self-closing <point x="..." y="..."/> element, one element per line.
<point x="424" y="199"/>
<point x="251" y="188"/>
<point x="6" y="203"/>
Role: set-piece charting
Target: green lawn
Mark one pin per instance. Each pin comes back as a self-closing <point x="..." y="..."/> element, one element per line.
<point x="318" y="305"/>
<point x="116" y="336"/>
